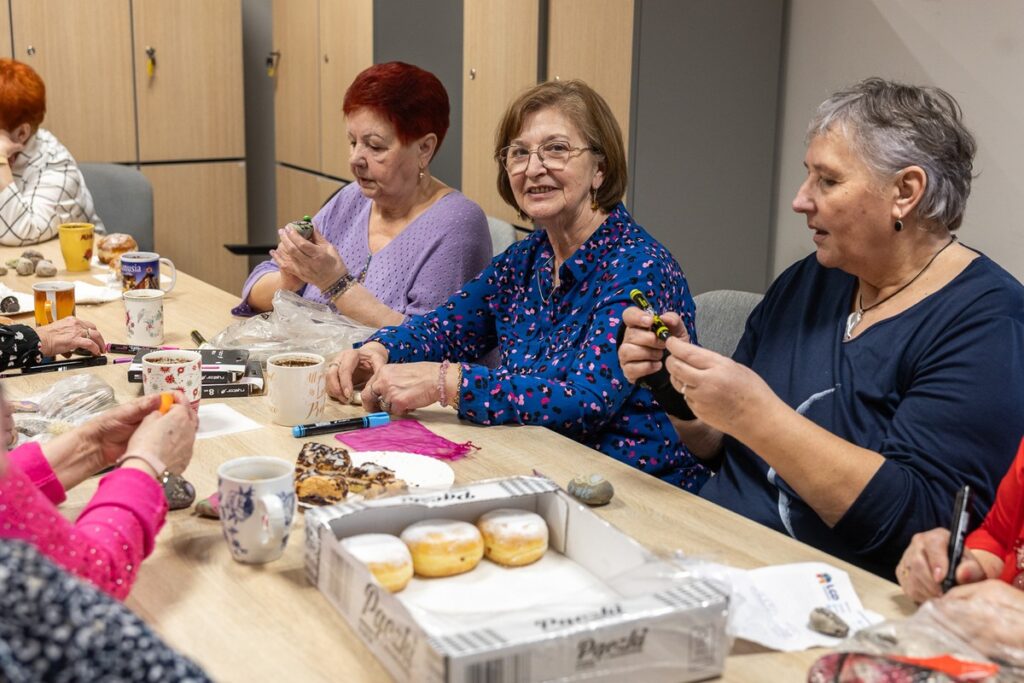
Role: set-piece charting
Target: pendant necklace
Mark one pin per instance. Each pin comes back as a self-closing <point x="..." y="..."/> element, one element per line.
<point x="854" y="318"/>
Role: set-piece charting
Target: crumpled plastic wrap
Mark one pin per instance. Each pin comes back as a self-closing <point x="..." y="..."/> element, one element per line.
<point x="295" y="324"/>
<point x="945" y="641"/>
<point x="64" y="405"/>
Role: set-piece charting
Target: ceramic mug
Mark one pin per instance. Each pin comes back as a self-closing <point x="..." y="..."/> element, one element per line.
<point x="144" y="316"/>
<point x="53" y="301"/>
<point x="173" y="371"/>
<point x="141" y="270"/>
<point x="297" y="386"/>
<point x="257" y="506"/>
<point x="76" y="242"/>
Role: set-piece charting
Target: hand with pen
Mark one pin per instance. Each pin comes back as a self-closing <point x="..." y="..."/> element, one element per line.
<point x="925" y="564"/>
<point x="70" y="334"/>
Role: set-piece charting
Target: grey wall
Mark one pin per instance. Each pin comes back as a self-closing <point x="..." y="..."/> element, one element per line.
<point x="975" y="50"/>
<point x="259" y="123"/>
<point x="703" y="131"/>
<point x="429" y="35"/>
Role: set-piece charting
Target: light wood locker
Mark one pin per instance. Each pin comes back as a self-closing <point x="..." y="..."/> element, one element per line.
<point x="83" y="53"/>
<point x="500" y="61"/>
<point x="346" y="44"/>
<point x="300" y="193"/>
<point x="198" y="208"/>
<point x="5" y="30"/>
<point x="191" y="104"/>
<point x="297" y="82"/>
<point x="593" y="40"/>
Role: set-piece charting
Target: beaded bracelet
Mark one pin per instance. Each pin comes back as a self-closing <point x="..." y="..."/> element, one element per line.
<point x="340" y="286"/>
<point x="442" y="388"/>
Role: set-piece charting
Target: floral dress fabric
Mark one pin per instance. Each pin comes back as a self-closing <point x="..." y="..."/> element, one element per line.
<point x="558" y="365"/>
<point x="54" y="627"/>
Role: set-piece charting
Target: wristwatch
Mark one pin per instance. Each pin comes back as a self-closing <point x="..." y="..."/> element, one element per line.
<point x="162" y="473"/>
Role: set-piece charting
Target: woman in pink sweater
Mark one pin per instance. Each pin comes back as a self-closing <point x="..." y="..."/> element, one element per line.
<point x="117" y="528"/>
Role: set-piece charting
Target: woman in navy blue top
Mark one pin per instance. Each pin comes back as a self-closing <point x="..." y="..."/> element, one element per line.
<point x="883" y="372"/>
<point x="550" y="305"/>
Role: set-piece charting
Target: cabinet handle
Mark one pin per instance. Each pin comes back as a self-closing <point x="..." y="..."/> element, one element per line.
<point x="150" y="61"/>
<point x="472" y="74"/>
<point x="272" y="59"/>
<point x="31" y="50"/>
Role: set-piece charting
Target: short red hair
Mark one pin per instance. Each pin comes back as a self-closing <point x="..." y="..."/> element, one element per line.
<point x="22" y="95"/>
<point x="410" y="98"/>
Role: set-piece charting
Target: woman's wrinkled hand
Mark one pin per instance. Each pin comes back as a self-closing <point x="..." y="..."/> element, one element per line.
<point x="352" y="368"/>
<point x="641" y="351"/>
<point x="724" y="394"/>
<point x="925" y="563"/>
<point x="315" y="260"/>
<point x="401" y="388"/>
<point x="170" y="436"/>
<point x="989" y="615"/>
<point x="68" y="334"/>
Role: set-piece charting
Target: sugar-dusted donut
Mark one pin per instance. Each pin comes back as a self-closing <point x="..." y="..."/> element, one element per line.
<point x="513" y="538"/>
<point x="386" y="557"/>
<point x="443" y="547"/>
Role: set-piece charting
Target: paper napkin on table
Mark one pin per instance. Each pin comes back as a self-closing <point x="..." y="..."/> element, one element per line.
<point x="25" y="302"/>
<point x="93" y="294"/>
<point x="217" y="419"/>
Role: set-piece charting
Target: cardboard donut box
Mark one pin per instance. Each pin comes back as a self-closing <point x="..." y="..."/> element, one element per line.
<point x="649" y="622"/>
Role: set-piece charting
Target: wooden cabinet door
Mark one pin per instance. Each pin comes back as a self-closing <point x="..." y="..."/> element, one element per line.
<point x="500" y="61"/>
<point x="593" y="40"/>
<point x="197" y="209"/>
<point x="5" y="29"/>
<point x="297" y="83"/>
<point x="83" y="53"/>
<point x="191" y="105"/>
<point x="300" y="193"/>
<point x="346" y="44"/>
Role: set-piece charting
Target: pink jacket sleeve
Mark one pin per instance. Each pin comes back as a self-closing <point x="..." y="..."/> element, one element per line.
<point x="115" y="531"/>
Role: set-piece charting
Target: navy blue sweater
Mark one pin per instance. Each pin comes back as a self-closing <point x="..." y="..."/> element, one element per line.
<point x="938" y="390"/>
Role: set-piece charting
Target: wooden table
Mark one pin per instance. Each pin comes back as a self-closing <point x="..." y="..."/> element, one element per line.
<point x="246" y="623"/>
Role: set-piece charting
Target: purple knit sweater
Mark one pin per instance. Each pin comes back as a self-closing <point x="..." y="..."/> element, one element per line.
<point x="445" y="247"/>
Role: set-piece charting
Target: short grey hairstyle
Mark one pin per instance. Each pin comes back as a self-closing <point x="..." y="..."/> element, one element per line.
<point x="893" y="126"/>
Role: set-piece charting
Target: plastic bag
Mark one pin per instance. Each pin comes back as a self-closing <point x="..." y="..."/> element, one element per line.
<point x="936" y="644"/>
<point x="295" y="324"/>
<point x="64" y="405"/>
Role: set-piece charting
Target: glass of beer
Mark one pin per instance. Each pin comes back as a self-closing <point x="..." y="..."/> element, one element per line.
<point x="53" y="301"/>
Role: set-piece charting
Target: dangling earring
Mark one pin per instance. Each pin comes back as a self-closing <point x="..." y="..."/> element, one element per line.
<point x="593" y="200"/>
<point x="421" y="174"/>
<point x="899" y="225"/>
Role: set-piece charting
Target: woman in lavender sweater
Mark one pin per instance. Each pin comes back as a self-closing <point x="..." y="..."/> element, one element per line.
<point x="397" y="241"/>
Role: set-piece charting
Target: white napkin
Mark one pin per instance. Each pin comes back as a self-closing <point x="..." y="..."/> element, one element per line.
<point x="217" y="419"/>
<point x="94" y="294"/>
<point x="25" y="301"/>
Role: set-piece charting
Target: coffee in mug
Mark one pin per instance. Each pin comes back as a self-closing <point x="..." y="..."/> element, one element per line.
<point x="76" y="242"/>
<point x="141" y="270"/>
<point x="297" y="387"/>
<point x="257" y="506"/>
<point x="53" y="301"/>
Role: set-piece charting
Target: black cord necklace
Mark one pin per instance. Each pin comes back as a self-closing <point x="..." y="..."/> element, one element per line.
<point x="854" y="318"/>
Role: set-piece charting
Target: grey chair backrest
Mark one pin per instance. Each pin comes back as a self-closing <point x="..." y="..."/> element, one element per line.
<point x="721" y="317"/>
<point x="503" y="235"/>
<point x="124" y="200"/>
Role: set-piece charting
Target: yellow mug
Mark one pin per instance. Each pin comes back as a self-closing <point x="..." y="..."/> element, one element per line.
<point x="76" y="240"/>
<point x="53" y="300"/>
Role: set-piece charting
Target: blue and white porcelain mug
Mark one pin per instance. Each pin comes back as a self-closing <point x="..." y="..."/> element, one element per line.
<point x="257" y="506"/>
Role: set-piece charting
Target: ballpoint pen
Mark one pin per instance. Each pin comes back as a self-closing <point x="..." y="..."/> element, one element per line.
<point x="346" y="425"/>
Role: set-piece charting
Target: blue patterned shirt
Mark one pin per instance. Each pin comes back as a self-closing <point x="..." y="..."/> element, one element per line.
<point x="558" y="365"/>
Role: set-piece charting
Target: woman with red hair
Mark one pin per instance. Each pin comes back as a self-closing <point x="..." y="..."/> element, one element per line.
<point x="40" y="184"/>
<point x="397" y="241"/>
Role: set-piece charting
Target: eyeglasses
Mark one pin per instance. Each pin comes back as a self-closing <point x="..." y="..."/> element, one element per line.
<point x="554" y="155"/>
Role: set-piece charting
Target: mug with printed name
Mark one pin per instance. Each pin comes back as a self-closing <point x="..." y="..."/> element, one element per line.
<point x="141" y="270"/>
<point x="76" y="242"/>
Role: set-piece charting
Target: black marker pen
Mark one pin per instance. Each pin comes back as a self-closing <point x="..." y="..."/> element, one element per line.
<point x="347" y="425"/>
<point x="957" y="533"/>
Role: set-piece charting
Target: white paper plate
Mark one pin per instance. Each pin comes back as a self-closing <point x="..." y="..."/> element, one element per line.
<point x="25" y="301"/>
<point x="418" y="471"/>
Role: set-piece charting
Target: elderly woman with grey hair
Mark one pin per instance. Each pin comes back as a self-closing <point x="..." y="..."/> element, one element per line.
<point x="879" y="374"/>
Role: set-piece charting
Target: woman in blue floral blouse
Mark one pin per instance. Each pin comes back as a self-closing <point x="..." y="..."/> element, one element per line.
<point x="550" y="305"/>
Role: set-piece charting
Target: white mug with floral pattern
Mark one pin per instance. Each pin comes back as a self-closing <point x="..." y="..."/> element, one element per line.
<point x="167" y="370"/>
<point x="257" y="506"/>
<point x="144" y="316"/>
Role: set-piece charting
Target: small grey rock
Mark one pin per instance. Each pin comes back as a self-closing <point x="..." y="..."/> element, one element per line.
<point x="33" y="254"/>
<point x="12" y="262"/>
<point x="824" y="620"/>
<point x="46" y="268"/>
<point x="304" y="227"/>
<point x="3" y="270"/>
<point x="9" y="304"/>
<point x="26" y="266"/>
<point x="179" y="492"/>
<point x="591" y="489"/>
